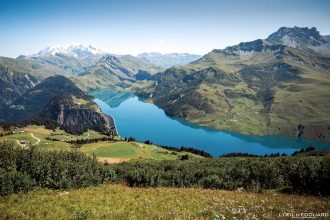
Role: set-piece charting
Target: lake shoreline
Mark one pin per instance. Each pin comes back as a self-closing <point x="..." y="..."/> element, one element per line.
<point x="205" y="126"/>
<point x="145" y="121"/>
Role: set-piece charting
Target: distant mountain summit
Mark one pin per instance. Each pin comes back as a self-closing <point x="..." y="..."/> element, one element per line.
<point x="75" y="50"/>
<point x="64" y="60"/>
<point x="169" y="59"/>
<point x="297" y="37"/>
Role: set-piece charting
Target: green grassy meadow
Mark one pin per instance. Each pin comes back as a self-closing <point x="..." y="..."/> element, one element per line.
<point x="131" y="150"/>
<point x="38" y="132"/>
<point x="116" y="201"/>
<point x="110" y="151"/>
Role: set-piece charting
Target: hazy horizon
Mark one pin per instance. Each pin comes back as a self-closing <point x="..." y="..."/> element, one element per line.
<point x="134" y="27"/>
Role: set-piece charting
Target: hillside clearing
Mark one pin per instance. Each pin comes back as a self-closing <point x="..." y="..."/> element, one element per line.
<point x="124" y="151"/>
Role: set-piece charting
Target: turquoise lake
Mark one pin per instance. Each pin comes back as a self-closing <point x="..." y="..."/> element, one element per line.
<point x="145" y="121"/>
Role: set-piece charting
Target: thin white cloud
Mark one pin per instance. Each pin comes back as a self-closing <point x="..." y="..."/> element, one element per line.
<point x="161" y="42"/>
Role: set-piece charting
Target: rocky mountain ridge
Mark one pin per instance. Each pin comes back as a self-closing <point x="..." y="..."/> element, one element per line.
<point x="14" y="84"/>
<point x="254" y="86"/>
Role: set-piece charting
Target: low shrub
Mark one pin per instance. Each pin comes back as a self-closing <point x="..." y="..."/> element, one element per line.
<point x="302" y="175"/>
<point x="22" y="169"/>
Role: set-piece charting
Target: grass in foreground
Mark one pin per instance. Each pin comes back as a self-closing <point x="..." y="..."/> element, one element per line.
<point x="121" y="202"/>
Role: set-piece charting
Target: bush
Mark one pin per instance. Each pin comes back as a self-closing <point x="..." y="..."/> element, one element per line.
<point x="184" y="157"/>
<point x="212" y="181"/>
<point x="23" y="169"/>
<point x="14" y="182"/>
<point x="186" y="149"/>
<point x="309" y="175"/>
<point x="55" y="169"/>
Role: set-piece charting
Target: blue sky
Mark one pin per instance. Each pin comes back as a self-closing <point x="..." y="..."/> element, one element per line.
<point x="136" y="26"/>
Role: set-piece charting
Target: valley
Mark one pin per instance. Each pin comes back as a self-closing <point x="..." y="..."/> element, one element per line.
<point x="263" y="87"/>
<point x="138" y="110"/>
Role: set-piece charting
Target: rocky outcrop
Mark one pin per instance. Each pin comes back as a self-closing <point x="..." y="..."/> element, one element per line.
<point x="76" y="116"/>
<point x="29" y="104"/>
<point x="297" y="37"/>
<point x="59" y="100"/>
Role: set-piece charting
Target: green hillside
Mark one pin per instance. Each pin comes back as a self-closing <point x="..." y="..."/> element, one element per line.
<point x="123" y="151"/>
<point x="116" y="71"/>
<point x="262" y="87"/>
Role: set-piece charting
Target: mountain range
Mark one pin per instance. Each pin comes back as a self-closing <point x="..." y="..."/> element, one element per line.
<point x="277" y="85"/>
<point x="89" y="67"/>
<point x="76" y="50"/>
<point x="43" y="85"/>
<point x="116" y="71"/>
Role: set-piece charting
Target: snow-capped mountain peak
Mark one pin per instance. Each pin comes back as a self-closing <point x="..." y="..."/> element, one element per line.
<point x="76" y="50"/>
